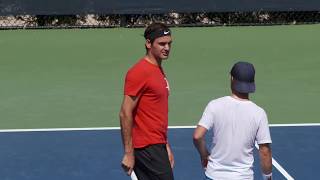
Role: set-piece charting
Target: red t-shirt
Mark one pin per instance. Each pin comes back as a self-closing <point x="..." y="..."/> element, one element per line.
<point x="150" y="117"/>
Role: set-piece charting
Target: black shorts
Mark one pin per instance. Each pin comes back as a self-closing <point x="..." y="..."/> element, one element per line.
<point x="152" y="163"/>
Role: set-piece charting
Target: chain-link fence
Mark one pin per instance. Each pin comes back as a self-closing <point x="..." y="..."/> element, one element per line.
<point x="173" y="19"/>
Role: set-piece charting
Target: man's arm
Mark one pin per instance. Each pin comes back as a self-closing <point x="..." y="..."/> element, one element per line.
<point x="170" y="155"/>
<point x="200" y="143"/>
<point x="126" y="123"/>
<point x="266" y="160"/>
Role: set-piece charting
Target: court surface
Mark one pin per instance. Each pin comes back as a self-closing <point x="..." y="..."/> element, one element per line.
<point x="95" y="153"/>
<point x="73" y="78"/>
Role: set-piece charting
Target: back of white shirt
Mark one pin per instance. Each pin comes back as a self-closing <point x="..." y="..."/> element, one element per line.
<point x="236" y="125"/>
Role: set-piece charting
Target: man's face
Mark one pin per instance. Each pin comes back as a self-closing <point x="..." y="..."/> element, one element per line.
<point x="160" y="48"/>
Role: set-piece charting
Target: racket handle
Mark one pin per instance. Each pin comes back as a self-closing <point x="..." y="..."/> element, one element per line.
<point x="134" y="176"/>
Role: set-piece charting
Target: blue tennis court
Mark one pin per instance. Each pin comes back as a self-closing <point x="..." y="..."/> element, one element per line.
<point x="86" y="154"/>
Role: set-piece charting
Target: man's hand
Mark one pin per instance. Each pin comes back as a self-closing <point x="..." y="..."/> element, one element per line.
<point x="128" y="163"/>
<point x="170" y="155"/>
<point x="204" y="161"/>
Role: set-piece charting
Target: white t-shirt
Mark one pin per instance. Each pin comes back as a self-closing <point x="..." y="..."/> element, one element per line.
<point x="236" y="125"/>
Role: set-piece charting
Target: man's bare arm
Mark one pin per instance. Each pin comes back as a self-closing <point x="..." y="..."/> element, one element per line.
<point x="126" y="123"/>
<point x="200" y="144"/>
<point x="266" y="160"/>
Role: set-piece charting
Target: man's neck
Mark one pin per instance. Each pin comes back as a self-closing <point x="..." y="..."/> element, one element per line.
<point x="240" y="96"/>
<point x="153" y="60"/>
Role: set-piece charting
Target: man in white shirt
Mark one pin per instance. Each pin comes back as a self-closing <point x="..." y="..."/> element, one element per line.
<point x="237" y="123"/>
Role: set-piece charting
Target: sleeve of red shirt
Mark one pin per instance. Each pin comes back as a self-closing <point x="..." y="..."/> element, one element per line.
<point x="134" y="83"/>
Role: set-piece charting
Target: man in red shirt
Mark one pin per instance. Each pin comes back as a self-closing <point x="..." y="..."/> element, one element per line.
<point x="144" y="111"/>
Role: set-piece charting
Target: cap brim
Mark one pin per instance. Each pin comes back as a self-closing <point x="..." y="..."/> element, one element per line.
<point x="244" y="87"/>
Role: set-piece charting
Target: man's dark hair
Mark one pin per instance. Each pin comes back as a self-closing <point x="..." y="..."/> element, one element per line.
<point x="156" y="30"/>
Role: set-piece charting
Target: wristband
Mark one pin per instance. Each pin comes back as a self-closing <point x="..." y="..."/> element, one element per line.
<point x="267" y="176"/>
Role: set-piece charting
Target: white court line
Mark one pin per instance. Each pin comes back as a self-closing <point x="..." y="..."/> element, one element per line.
<point x="59" y="129"/>
<point x="294" y="125"/>
<point x="116" y="128"/>
<point x="279" y="167"/>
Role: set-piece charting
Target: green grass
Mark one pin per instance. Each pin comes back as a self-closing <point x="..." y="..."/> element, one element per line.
<point x="74" y="78"/>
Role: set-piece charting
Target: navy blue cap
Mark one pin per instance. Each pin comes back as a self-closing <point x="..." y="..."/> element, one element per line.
<point x="243" y="76"/>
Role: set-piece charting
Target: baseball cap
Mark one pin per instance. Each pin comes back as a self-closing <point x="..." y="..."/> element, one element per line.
<point x="243" y="76"/>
